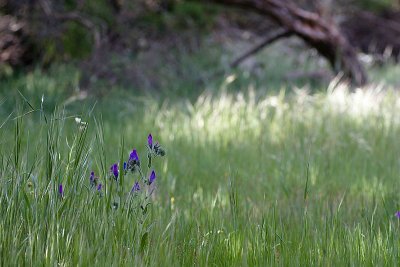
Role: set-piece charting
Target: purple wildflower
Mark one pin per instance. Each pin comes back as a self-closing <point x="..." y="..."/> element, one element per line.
<point x="135" y="188"/>
<point x="152" y="177"/>
<point x="397" y="214"/>
<point x="93" y="179"/>
<point x="133" y="162"/>
<point x="134" y="155"/>
<point x="150" y="141"/>
<point x="114" y="170"/>
<point x="158" y="150"/>
<point x="99" y="187"/>
<point x="155" y="149"/>
<point x="60" y="190"/>
<point x="124" y="166"/>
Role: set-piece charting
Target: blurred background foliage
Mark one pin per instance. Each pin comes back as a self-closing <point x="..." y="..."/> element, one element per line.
<point x="377" y="5"/>
<point x="129" y="43"/>
<point x="62" y="32"/>
<point x="61" y="38"/>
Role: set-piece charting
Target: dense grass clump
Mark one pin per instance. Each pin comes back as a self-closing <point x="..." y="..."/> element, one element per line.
<point x="248" y="180"/>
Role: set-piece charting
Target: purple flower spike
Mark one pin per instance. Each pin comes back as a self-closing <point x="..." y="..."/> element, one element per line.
<point x="60" y="190"/>
<point x="133" y="163"/>
<point x="152" y="177"/>
<point x="114" y="170"/>
<point x="99" y="187"/>
<point x="124" y="166"/>
<point x="135" y="188"/>
<point x="134" y="156"/>
<point x="93" y="179"/>
<point x="397" y="214"/>
<point x="150" y="141"/>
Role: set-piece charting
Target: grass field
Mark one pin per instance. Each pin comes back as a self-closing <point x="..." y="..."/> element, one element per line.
<point x="249" y="179"/>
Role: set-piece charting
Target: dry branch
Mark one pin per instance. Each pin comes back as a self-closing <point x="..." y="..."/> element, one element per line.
<point x="267" y="41"/>
<point x="319" y="33"/>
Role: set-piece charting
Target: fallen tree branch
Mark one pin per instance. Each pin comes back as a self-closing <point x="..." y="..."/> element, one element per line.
<point x="318" y="32"/>
<point x="267" y="41"/>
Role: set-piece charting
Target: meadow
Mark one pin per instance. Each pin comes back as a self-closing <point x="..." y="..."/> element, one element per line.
<point x="250" y="177"/>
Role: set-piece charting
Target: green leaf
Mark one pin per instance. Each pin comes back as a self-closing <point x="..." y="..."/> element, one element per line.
<point x="144" y="241"/>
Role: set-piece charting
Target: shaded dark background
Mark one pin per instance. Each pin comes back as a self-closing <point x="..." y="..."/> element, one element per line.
<point x="147" y="44"/>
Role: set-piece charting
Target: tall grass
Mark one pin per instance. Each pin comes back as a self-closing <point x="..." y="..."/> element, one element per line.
<point x="249" y="180"/>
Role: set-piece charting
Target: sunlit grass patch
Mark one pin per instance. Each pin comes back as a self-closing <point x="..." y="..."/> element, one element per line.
<point x="250" y="179"/>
